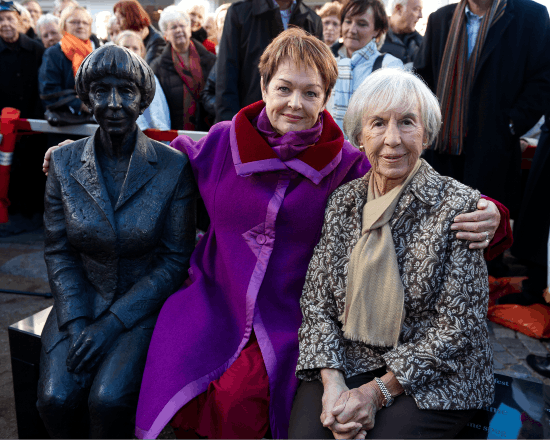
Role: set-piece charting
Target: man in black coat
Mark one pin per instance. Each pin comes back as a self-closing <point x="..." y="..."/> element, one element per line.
<point x="532" y="226"/>
<point x="402" y="40"/>
<point x="20" y="59"/>
<point x="250" y="25"/>
<point x="509" y="93"/>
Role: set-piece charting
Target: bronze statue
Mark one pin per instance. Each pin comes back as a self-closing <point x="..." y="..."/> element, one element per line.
<point x="120" y="228"/>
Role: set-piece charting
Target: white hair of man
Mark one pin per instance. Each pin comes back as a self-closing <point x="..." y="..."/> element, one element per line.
<point x="112" y="21"/>
<point x="220" y="9"/>
<point x="23" y="11"/>
<point x="194" y="5"/>
<point x="170" y="14"/>
<point x="393" y="4"/>
<point x="58" y="3"/>
<point x="46" y="19"/>
<point x="391" y="89"/>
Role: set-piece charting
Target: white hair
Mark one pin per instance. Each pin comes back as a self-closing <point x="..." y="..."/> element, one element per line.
<point x="23" y="11"/>
<point x="391" y="89"/>
<point x="220" y="9"/>
<point x="189" y="5"/>
<point x="392" y="4"/>
<point x="46" y="19"/>
<point x="112" y="21"/>
<point x="57" y="3"/>
<point x="170" y="14"/>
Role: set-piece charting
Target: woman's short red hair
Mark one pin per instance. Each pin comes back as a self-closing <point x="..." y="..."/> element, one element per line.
<point x="134" y="14"/>
<point x="302" y="49"/>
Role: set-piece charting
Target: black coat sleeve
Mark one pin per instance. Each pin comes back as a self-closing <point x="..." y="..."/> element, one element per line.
<point x="318" y="23"/>
<point x="228" y="68"/>
<point x="534" y="98"/>
<point x="208" y="94"/>
<point x="154" y="50"/>
<point x="423" y="62"/>
<point x="52" y="77"/>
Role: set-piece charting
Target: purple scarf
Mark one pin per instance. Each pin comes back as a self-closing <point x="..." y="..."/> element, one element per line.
<point x="290" y="144"/>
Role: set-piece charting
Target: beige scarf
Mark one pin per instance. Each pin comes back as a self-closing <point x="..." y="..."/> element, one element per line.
<point x="375" y="296"/>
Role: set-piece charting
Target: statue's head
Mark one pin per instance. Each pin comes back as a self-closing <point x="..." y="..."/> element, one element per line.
<point x="117" y="86"/>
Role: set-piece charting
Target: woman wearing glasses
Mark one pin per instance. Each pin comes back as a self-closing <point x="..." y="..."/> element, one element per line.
<point x="61" y="61"/>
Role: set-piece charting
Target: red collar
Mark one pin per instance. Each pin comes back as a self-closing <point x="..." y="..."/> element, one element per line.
<point x="252" y="146"/>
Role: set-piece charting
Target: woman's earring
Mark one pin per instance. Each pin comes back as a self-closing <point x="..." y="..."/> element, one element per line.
<point x="361" y="149"/>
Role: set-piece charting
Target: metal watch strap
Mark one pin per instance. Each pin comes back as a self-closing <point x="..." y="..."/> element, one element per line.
<point x="385" y="392"/>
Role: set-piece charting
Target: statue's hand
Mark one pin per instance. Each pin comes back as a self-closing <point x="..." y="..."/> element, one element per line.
<point x="93" y="343"/>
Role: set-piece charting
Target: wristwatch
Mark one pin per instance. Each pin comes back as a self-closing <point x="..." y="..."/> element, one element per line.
<point x="385" y="392"/>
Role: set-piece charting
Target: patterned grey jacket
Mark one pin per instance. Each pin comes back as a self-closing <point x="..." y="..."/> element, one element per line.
<point x="444" y="358"/>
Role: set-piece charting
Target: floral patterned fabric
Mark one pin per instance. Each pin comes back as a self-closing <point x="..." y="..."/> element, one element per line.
<point x="444" y="358"/>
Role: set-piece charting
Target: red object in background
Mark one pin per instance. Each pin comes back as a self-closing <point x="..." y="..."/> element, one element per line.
<point x="9" y="135"/>
<point x="534" y="320"/>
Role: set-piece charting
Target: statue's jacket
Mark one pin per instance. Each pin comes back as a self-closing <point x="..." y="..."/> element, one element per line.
<point x="124" y="259"/>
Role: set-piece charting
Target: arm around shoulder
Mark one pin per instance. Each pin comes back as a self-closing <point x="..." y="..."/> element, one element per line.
<point x="456" y="338"/>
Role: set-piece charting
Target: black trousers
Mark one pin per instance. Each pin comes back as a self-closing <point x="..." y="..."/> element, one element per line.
<point x="402" y="419"/>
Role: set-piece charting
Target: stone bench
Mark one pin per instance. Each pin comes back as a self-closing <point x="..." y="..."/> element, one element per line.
<point x="25" y="345"/>
<point x="521" y="408"/>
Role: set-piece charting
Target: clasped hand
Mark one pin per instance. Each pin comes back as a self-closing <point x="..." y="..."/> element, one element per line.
<point x="349" y="414"/>
<point x="90" y="343"/>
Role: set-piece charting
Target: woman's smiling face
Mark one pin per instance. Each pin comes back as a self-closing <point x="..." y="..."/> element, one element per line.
<point x="393" y="141"/>
<point x="294" y="97"/>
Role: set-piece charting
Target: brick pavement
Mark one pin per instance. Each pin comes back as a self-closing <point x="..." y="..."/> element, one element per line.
<point x="22" y="268"/>
<point x="510" y="349"/>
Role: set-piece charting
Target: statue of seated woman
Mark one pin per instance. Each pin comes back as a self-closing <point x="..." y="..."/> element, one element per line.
<point x="120" y="228"/>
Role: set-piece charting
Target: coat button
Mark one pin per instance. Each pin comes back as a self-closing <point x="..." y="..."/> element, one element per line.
<point x="260" y="239"/>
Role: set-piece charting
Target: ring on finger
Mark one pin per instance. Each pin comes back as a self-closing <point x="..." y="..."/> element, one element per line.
<point x="487" y="236"/>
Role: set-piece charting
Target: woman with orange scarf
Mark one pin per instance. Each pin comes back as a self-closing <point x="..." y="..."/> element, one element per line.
<point x="61" y="61"/>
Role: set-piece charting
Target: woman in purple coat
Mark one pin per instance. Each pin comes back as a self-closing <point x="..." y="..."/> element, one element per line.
<point x="225" y="347"/>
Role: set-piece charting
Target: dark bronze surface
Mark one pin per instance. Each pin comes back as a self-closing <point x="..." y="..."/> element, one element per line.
<point x="119" y="231"/>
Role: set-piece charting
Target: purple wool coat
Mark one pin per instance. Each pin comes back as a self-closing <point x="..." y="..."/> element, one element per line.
<point x="248" y="271"/>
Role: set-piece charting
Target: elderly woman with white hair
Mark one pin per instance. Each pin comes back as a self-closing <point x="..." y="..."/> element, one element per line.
<point x="182" y="69"/>
<point x="394" y="338"/>
<point x="197" y="14"/>
<point x="47" y="28"/>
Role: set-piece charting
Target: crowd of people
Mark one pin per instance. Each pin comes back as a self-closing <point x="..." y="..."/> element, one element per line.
<point x="402" y="138"/>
